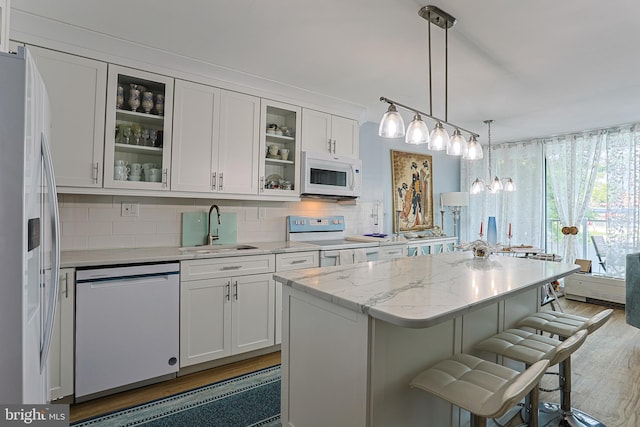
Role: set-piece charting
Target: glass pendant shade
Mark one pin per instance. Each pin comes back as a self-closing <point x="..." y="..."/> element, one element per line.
<point x="456" y="145"/>
<point x="439" y="138"/>
<point x="495" y="185"/>
<point x="474" y="150"/>
<point x="391" y="125"/>
<point x="417" y="132"/>
<point x="477" y="186"/>
<point x="509" y="185"/>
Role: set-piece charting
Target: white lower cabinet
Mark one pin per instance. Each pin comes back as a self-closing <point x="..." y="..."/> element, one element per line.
<point x="226" y="309"/>
<point x="291" y="261"/>
<point x="431" y="246"/>
<point x="61" y="355"/>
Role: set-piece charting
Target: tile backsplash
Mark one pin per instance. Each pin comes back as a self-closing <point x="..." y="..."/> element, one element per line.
<point x="96" y="222"/>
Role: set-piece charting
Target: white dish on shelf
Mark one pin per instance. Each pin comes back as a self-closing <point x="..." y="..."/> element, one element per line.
<point x="274" y="177"/>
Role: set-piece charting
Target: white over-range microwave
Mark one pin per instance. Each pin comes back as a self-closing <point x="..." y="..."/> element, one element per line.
<point x="326" y="175"/>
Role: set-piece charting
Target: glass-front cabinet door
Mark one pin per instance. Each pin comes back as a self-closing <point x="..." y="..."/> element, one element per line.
<point x="138" y="129"/>
<point x="280" y="149"/>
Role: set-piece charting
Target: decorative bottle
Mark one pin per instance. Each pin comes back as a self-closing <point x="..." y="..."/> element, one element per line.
<point x="492" y="232"/>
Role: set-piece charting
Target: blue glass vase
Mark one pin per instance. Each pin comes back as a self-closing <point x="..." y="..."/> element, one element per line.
<point x="492" y="232"/>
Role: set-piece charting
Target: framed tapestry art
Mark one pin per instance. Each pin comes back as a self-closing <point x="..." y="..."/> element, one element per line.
<point x="412" y="187"/>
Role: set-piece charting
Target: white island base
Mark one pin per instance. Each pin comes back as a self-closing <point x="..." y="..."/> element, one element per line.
<point x="349" y="369"/>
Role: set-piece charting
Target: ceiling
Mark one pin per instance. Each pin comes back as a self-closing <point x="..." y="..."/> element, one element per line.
<point x="538" y="68"/>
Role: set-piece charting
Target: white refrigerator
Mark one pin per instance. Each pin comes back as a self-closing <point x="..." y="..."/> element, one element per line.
<point x="29" y="232"/>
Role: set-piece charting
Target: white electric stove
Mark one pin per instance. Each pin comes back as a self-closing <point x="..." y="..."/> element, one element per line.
<point x="328" y="233"/>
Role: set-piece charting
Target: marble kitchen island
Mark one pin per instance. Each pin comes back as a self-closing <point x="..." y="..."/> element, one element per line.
<point x="354" y="336"/>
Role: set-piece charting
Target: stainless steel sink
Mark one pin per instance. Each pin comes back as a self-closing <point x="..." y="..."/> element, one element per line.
<point x="212" y="249"/>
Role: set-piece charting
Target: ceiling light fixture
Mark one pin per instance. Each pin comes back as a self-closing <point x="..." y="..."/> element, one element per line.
<point x="495" y="184"/>
<point x="392" y="125"/>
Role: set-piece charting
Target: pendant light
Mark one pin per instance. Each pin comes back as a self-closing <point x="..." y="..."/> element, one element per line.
<point x="495" y="183"/>
<point x="474" y="150"/>
<point x="392" y="126"/>
<point x="457" y="146"/>
<point x="417" y="132"/>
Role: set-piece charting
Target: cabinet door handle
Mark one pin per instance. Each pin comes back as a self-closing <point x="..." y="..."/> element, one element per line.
<point x="329" y="145"/>
<point x="65" y="279"/>
<point x="165" y="177"/>
<point x="221" y="183"/>
<point x="298" y="261"/>
<point x="232" y="267"/>
<point x="228" y="295"/>
<point x="262" y="184"/>
<point x="334" y="146"/>
<point x="235" y="290"/>
<point x="213" y="181"/>
<point x="96" y="170"/>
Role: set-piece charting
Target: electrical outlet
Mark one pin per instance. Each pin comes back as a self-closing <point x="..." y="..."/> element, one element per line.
<point x="262" y="213"/>
<point x="130" y="209"/>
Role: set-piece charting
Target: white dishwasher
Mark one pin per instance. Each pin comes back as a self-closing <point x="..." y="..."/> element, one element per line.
<point x="127" y="325"/>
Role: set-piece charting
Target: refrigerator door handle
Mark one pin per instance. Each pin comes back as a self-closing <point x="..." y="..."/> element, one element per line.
<point x="55" y="250"/>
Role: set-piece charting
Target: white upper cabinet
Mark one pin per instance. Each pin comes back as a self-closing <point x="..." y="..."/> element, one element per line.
<point x="345" y="134"/>
<point x="76" y="89"/>
<point x="5" y="12"/>
<point x="279" y="149"/>
<point x="196" y="126"/>
<point x="326" y="133"/>
<point x="239" y="143"/>
<point x="215" y="140"/>
<point x="138" y="129"/>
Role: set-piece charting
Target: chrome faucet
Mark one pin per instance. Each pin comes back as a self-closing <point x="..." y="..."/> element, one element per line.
<point x="209" y="235"/>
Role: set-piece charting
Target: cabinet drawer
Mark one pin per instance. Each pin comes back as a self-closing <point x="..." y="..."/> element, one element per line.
<point x="297" y="260"/>
<point x="224" y="267"/>
<point x="390" y="252"/>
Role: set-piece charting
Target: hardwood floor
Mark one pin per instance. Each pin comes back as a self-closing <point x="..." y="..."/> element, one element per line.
<point x="129" y="398"/>
<point x="606" y="374"/>
<point x="606" y="370"/>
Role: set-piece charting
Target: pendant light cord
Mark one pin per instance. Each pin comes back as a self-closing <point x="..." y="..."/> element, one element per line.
<point x="430" y="74"/>
<point x="488" y="122"/>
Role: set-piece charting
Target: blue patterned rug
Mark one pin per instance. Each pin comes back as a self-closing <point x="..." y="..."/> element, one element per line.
<point x="249" y="400"/>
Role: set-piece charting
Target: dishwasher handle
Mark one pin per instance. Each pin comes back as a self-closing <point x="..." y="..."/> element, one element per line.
<point x="101" y="278"/>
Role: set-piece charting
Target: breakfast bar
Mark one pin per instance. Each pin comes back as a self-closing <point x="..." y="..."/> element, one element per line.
<point x="354" y="336"/>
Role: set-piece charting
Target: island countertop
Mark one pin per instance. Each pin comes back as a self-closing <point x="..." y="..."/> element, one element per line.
<point x="420" y="292"/>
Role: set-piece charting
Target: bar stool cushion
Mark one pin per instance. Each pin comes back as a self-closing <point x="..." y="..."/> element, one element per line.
<point x="483" y="388"/>
<point x="564" y="324"/>
<point x="529" y="347"/>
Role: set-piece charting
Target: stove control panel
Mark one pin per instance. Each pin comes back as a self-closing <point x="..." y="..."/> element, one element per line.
<point x="304" y="224"/>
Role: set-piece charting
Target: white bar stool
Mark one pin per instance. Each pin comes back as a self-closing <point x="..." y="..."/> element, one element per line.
<point x="529" y="348"/>
<point x="565" y="325"/>
<point x="485" y="389"/>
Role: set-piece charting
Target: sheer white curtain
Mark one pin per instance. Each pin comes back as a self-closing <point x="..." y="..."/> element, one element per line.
<point x="524" y="208"/>
<point x="572" y="162"/>
<point x="622" y="153"/>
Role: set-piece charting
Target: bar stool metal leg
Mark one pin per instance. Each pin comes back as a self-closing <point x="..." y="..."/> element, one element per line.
<point x="478" y="421"/>
<point x="563" y="325"/>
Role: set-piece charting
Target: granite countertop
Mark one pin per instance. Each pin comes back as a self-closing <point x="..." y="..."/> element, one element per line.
<point x="419" y="292"/>
<point x="98" y="257"/>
